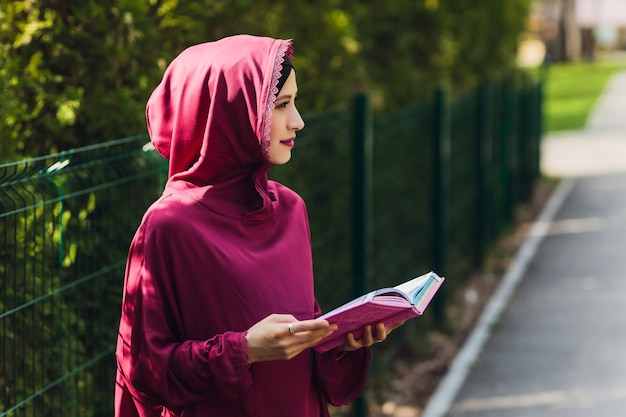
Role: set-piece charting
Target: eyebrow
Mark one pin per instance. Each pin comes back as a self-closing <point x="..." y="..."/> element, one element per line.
<point x="284" y="96"/>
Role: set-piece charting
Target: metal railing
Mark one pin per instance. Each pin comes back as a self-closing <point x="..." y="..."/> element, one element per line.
<point x="67" y="220"/>
<point x="390" y="196"/>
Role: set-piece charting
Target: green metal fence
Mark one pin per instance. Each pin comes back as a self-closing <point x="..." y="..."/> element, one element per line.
<point x="66" y="221"/>
<point x="389" y="196"/>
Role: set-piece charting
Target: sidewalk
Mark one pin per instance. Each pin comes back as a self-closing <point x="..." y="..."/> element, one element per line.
<point x="552" y="340"/>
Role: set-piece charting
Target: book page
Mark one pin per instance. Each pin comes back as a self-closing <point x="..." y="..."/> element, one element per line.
<point x="413" y="285"/>
<point x="391" y="300"/>
<point x="350" y="304"/>
<point x="422" y="298"/>
<point x="392" y="292"/>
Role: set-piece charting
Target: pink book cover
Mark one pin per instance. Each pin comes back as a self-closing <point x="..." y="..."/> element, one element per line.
<point x="388" y="305"/>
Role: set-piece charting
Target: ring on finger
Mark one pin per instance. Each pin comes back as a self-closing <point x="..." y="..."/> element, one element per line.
<point x="291" y="330"/>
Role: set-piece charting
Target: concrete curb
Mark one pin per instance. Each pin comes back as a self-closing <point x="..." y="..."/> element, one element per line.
<point x="448" y="389"/>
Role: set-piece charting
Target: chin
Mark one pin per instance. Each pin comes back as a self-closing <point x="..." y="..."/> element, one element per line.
<point x="280" y="161"/>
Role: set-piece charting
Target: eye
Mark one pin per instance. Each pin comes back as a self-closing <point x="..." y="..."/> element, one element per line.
<point x="282" y="105"/>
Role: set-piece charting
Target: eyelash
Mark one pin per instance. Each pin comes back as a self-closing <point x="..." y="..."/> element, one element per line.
<point x="283" y="105"/>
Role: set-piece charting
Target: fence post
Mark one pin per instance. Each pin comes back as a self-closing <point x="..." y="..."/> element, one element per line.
<point x="506" y="154"/>
<point x="441" y="167"/>
<point x="483" y="209"/>
<point x="525" y="113"/>
<point x="538" y="104"/>
<point x="362" y="148"/>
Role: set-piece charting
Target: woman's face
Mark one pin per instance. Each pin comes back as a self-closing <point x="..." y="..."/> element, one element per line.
<point x="286" y="121"/>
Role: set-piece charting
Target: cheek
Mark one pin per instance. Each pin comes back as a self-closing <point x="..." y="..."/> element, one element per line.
<point x="275" y="126"/>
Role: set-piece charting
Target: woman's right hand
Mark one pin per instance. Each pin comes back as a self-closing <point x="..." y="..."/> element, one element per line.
<point x="271" y="338"/>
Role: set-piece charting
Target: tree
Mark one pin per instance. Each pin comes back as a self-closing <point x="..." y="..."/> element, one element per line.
<point x="72" y="73"/>
<point x="77" y="72"/>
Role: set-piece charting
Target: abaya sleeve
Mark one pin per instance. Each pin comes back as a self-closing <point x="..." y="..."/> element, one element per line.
<point x="341" y="378"/>
<point x="157" y="365"/>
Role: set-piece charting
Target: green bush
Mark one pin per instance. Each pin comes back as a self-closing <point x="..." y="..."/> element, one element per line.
<point x="78" y="72"/>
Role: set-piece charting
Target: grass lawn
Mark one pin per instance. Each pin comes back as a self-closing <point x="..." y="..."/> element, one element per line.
<point x="571" y="90"/>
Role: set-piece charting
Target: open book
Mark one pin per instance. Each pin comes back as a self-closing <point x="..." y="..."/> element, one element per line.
<point x="388" y="305"/>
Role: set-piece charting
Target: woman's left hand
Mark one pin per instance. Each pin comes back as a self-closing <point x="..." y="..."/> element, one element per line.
<point x="370" y="336"/>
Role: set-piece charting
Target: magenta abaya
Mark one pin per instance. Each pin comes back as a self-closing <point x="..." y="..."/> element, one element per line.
<point x="222" y="248"/>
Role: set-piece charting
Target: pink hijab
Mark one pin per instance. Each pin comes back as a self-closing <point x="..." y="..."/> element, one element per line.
<point x="213" y="109"/>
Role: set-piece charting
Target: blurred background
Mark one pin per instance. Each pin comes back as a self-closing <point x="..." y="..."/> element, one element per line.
<point x="421" y="152"/>
<point x="78" y="73"/>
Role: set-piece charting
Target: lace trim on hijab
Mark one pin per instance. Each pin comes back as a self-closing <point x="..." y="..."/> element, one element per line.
<point x="285" y="48"/>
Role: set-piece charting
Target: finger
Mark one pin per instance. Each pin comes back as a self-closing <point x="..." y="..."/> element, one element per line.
<point x="380" y="332"/>
<point x="312" y="325"/>
<point x="352" y="342"/>
<point x="296" y="327"/>
<point x="367" y="339"/>
<point x="394" y="326"/>
<point x="305" y="340"/>
<point x="373" y="335"/>
<point x="307" y="333"/>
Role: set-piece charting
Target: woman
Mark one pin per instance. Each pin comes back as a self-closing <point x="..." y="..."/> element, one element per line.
<point x="218" y="309"/>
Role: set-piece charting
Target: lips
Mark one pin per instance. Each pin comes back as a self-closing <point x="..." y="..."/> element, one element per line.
<point x="289" y="142"/>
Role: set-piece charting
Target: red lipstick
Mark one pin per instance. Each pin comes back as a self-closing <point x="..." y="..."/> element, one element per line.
<point x="289" y="142"/>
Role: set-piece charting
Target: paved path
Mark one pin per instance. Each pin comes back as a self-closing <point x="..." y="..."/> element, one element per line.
<point x="552" y="340"/>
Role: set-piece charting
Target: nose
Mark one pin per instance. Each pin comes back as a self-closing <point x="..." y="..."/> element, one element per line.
<point x="295" y="122"/>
